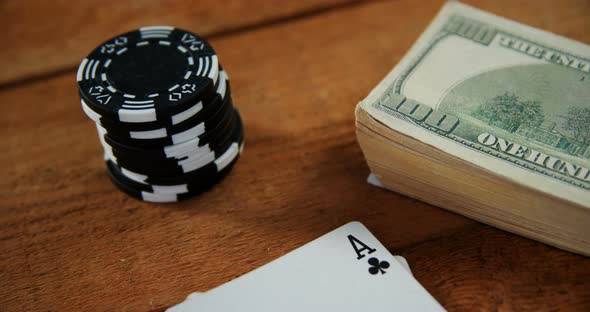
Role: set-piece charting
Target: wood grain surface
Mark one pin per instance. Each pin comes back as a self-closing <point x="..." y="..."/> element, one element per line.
<point x="43" y="38"/>
<point x="71" y="241"/>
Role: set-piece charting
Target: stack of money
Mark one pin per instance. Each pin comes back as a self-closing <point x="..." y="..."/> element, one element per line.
<point x="490" y="119"/>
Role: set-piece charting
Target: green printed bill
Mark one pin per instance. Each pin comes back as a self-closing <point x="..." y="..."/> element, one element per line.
<point x="504" y="96"/>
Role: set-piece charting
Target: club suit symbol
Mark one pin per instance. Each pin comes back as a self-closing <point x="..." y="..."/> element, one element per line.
<point x="378" y="266"/>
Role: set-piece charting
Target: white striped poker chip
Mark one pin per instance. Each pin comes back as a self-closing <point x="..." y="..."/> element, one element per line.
<point x="184" y="157"/>
<point x="174" y="193"/>
<point x="187" y="163"/>
<point x="190" y="132"/>
<point x="220" y="162"/>
<point x="192" y="152"/>
<point x="188" y="156"/>
<point x="120" y="81"/>
<point x="180" y="150"/>
<point x="174" y="119"/>
<point x="179" y="143"/>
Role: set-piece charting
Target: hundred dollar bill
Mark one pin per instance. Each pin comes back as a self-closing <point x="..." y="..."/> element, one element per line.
<point x="504" y="96"/>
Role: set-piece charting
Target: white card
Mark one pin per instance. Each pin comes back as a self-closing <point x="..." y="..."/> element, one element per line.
<point x="372" y="179"/>
<point x="402" y="261"/>
<point x="345" y="270"/>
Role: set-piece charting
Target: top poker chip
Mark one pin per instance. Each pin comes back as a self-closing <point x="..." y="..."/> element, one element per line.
<point x="148" y="74"/>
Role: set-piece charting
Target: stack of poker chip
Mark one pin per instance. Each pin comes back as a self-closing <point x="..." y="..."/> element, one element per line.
<point x="164" y="113"/>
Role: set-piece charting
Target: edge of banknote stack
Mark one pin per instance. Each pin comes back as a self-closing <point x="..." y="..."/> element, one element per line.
<point x="484" y="139"/>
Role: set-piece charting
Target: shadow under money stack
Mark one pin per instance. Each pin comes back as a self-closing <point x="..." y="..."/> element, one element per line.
<point x="164" y="113"/>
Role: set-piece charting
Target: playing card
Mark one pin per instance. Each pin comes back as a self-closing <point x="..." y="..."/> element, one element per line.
<point x="347" y="269"/>
<point x="372" y="179"/>
<point x="402" y="261"/>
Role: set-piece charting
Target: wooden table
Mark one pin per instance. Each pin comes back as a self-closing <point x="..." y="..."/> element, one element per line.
<point x="71" y="241"/>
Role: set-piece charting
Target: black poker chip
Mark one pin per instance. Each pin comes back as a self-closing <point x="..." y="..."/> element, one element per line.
<point x="198" y="111"/>
<point x="182" y="164"/>
<point x="148" y="74"/>
<point x="210" y="140"/>
<point x="179" y="133"/>
<point x="164" y="112"/>
<point x="206" y="167"/>
<point x="147" y="193"/>
<point x="206" y="174"/>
